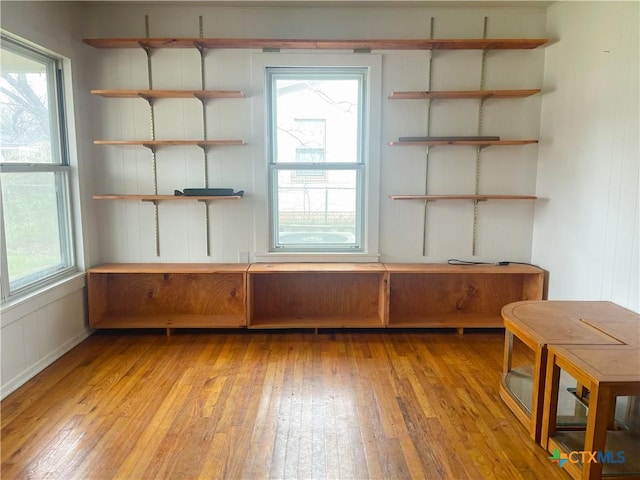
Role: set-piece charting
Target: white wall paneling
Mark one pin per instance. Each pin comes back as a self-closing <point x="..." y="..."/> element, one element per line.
<point x="242" y="227"/>
<point x="40" y="328"/>
<point x="586" y="231"/>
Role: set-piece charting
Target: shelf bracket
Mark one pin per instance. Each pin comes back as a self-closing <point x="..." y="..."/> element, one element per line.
<point x="201" y="48"/>
<point x="149" y="100"/>
<point x="145" y="47"/>
<point x="151" y="147"/>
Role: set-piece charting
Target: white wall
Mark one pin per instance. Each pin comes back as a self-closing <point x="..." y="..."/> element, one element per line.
<point x="126" y="228"/>
<point x="37" y="330"/>
<point x="586" y="231"/>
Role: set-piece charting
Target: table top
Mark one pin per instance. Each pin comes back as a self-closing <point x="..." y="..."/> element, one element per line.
<point x="551" y="322"/>
<point x="603" y="363"/>
<point x="620" y="323"/>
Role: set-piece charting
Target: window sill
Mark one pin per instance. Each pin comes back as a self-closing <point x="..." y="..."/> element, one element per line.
<point x="272" y="257"/>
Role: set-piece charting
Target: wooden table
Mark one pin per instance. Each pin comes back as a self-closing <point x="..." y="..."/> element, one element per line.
<point x="539" y="324"/>
<point x="607" y="371"/>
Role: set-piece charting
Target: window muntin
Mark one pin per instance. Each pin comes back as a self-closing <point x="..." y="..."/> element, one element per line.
<point x="316" y="158"/>
<point x="37" y="242"/>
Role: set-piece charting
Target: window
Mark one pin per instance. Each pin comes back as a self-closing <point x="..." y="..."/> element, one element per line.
<point x="36" y="235"/>
<point x="316" y="158"/>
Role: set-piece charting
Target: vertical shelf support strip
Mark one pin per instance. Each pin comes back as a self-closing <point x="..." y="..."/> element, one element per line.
<point x="206" y="220"/>
<point x="205" y="150"/>
<point x="154" y="169"/>
<point x="206" y="213"/>
<point x="483" y="68"/>
<point x="426" y="168"/>
<point x="202" y="51"/>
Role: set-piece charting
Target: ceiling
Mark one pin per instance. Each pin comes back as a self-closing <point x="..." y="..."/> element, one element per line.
<point x="387" y="3"/>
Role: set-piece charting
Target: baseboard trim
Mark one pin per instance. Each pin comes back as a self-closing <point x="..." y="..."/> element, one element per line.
<point x="22" y="378"/>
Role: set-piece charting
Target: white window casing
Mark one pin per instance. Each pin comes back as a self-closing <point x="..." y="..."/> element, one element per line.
<point x="314" y="168"/>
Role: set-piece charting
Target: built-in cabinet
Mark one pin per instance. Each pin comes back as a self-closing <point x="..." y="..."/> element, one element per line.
<point x="307" y="295"/>
<point x="460" y="296"/>
<point x="192" y="295"/>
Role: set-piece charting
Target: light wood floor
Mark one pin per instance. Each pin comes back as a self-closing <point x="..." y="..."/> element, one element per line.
<point x="279" y="404"/>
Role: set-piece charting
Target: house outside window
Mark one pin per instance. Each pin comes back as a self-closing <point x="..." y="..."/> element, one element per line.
<point x="312" y="136"/>
<point x="37" y="242"/>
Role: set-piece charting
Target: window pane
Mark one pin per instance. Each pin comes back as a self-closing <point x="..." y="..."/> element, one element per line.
<point x="27" y="115"/>
<point x="35" y="228"/>
<point x="317" y="214"/>
<point x="316" y="113"/>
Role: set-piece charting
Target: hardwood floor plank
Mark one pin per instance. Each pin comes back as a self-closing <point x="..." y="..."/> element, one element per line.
<point x="139" y="462"/>
<point x="271" y="404"/>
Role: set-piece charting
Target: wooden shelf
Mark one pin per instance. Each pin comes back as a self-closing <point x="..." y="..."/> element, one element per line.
<point x="458" y="94"/>
<point x="383" y="44"/>
<point x="317" y="295"/>
<point x="167" y="296"/>
<point x="144" y="143"/>
<point x="479" y="198"/>
<point x="317" y="321"/>
<point x="172" y="321"/>
<point x="447" y="321"/>
<point x="459" y="296"/>
<point x="153" y="198"/>
<point x="307" y="295"/>
<point x="317" y="268"/>
<point x="170" y="268"/>
<point x="169" y="93"/>
<point x="475" y="143"/>
<point x="441" y="268"/>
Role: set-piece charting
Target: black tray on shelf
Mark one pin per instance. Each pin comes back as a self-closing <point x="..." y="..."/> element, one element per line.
<point x="208" y="192"/>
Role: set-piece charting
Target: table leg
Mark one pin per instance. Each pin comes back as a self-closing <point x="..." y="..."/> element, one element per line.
<point x="596" y="433"/>
<point x="508" y="352"/>
<point x="537" y="402"/>
<point x="550" y="409"/>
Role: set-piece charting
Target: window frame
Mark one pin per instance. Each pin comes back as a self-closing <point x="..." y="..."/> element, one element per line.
<point x="359" y="166"/>
<point x="59" y="166"/>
